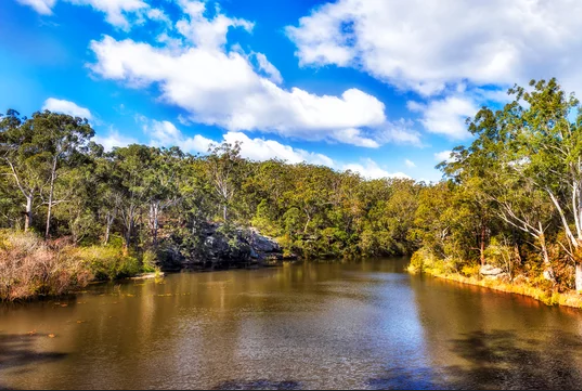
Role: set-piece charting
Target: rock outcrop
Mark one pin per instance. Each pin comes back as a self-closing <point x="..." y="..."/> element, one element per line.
<point x="493" y="272"/>
<point x="215" y="246"/>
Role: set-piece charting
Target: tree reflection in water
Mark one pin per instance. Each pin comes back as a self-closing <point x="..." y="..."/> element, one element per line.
<point x="497" y="360"/>
<point x="18" y="351"/>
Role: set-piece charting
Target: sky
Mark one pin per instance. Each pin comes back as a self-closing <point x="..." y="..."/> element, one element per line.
<point x="379" y="87"/>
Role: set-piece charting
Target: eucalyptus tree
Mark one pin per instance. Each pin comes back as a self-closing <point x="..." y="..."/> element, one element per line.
<point x="63" y="140"/>
<point x="494" y="172"/>
<point x="224" y="164"/>
<point x="470" y="169"/>
<point x="129" y="183"/>
<point x="550" y="140"/>
<point x="161" y="183"/>
<point x="23" y="156"/>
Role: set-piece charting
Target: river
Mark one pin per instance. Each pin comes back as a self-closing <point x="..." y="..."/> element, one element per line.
<point x="364" y="325"/>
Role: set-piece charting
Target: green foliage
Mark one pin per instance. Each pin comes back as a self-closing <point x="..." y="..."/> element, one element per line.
<point x="511" y="199"/>
<point x="107" y="263"/>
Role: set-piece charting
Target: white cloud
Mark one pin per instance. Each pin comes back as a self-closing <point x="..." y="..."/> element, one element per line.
<point x="117" y="12"/>
<point x="203" y="32"/>
<point x="219" y="88"/>
<point x="165" y="134"/>
<point x="271" y="71"/>
<point x="409" y="163"/>
<point x="426" y="46"/>
<point x="446" y="116"/>
<point x="369" y="169"/>
<point x="259" y="149"/>
<point x="354" y="136"/>
<point x="444" y="156"/>
<point x="223" y="88"/>
<point x="43" y="7"/>
<point x="399" y="132"/>
<point x="114" y="139"/>
<point x="66" y="107"/>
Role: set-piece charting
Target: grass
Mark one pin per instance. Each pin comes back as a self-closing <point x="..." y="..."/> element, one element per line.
<point x="425" y="263"/>
<point x="32" y="268"/>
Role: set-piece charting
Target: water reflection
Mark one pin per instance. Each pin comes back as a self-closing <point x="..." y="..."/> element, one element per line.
<point x="18" y="352"/>
<point x="313" y="325"/>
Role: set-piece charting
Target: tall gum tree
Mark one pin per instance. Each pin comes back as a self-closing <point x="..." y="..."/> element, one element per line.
<point x="535" y="144"/>
<point x="496" y="166"/>
<point x="552" y="142"/>
<point x="64" y="140"/>
<point x="24" y="159"/>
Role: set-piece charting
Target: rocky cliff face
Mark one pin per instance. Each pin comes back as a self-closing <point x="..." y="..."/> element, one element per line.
<point x="215" y="246"/>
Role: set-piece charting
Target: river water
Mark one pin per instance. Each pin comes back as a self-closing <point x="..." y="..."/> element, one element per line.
<point x="365" y="325"/>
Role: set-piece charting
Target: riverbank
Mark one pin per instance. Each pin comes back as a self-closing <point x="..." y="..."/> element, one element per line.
<point x="33" y="268"/>
<point x="548" y="297"/>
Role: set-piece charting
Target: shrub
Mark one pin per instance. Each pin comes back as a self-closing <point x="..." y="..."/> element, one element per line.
<point x="106" y="263"/>
<point x="29" y="268"/>
<point x="149" y="261"/>
<point x="471" y="270"/>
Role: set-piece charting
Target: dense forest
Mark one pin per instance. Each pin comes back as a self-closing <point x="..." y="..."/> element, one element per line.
<point x="512" y="200"/>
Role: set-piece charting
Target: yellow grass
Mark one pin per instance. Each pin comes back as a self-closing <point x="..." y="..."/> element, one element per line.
<point x="571" y="300"/>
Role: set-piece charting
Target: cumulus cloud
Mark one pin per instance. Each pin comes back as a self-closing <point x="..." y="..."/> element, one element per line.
<point x="114" y="139"/>
<point x="166" y="134"/>
<point x="427" y="46"/>
<point x="269" y="69"/>
<point x="447" y="116"/>
<point x="259" y="149"/>
<point x="369" y="169"/>
<point x="222" y="87"/>
<point x="117" y="12"/>
<point x="44" y="7"/>
<point x="66" y="107"/>
<point x="399" y="132"/>
<point x="219" y="88"/>
<point x="444" y="156"/>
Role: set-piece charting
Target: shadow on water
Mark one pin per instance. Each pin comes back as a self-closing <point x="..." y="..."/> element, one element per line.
<point x="259" y="385"/>
<point x="498" y="360"/>
<point x="18" y="351"/>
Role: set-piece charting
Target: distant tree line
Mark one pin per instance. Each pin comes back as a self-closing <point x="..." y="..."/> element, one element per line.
<point x="513" y="198"/>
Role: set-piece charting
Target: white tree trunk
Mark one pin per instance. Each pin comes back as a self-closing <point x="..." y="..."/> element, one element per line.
<point x="50" y="202"/>
<point x="109" y="222"/>
<point x="154" y="221"/>
<point x="28" y="221"/>
<point x="579" y="278"/>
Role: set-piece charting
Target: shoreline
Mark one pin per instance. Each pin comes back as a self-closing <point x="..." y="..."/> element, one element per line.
<point x="551" y="299"/>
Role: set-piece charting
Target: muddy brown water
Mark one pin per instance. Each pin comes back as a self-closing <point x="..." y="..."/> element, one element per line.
<point x="362" y="325"/>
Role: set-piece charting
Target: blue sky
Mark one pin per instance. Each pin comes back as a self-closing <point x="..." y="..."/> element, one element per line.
<point x="378" y="87"/>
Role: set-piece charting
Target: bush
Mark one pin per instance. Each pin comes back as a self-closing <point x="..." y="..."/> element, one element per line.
<point x="149" y="261"/>
<point x="471" y="270"/>
<point x="30" y="268"/>
<point x="106" y="263"/>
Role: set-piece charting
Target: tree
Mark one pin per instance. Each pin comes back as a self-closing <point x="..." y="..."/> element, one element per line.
<point x="63" y="140"/>
<point x="162" y="188"/>
<point x="551" y="146"/>
<point x="129" y="183"/>
<point x="21" y="153"/>
<point x="224" y="163"/>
